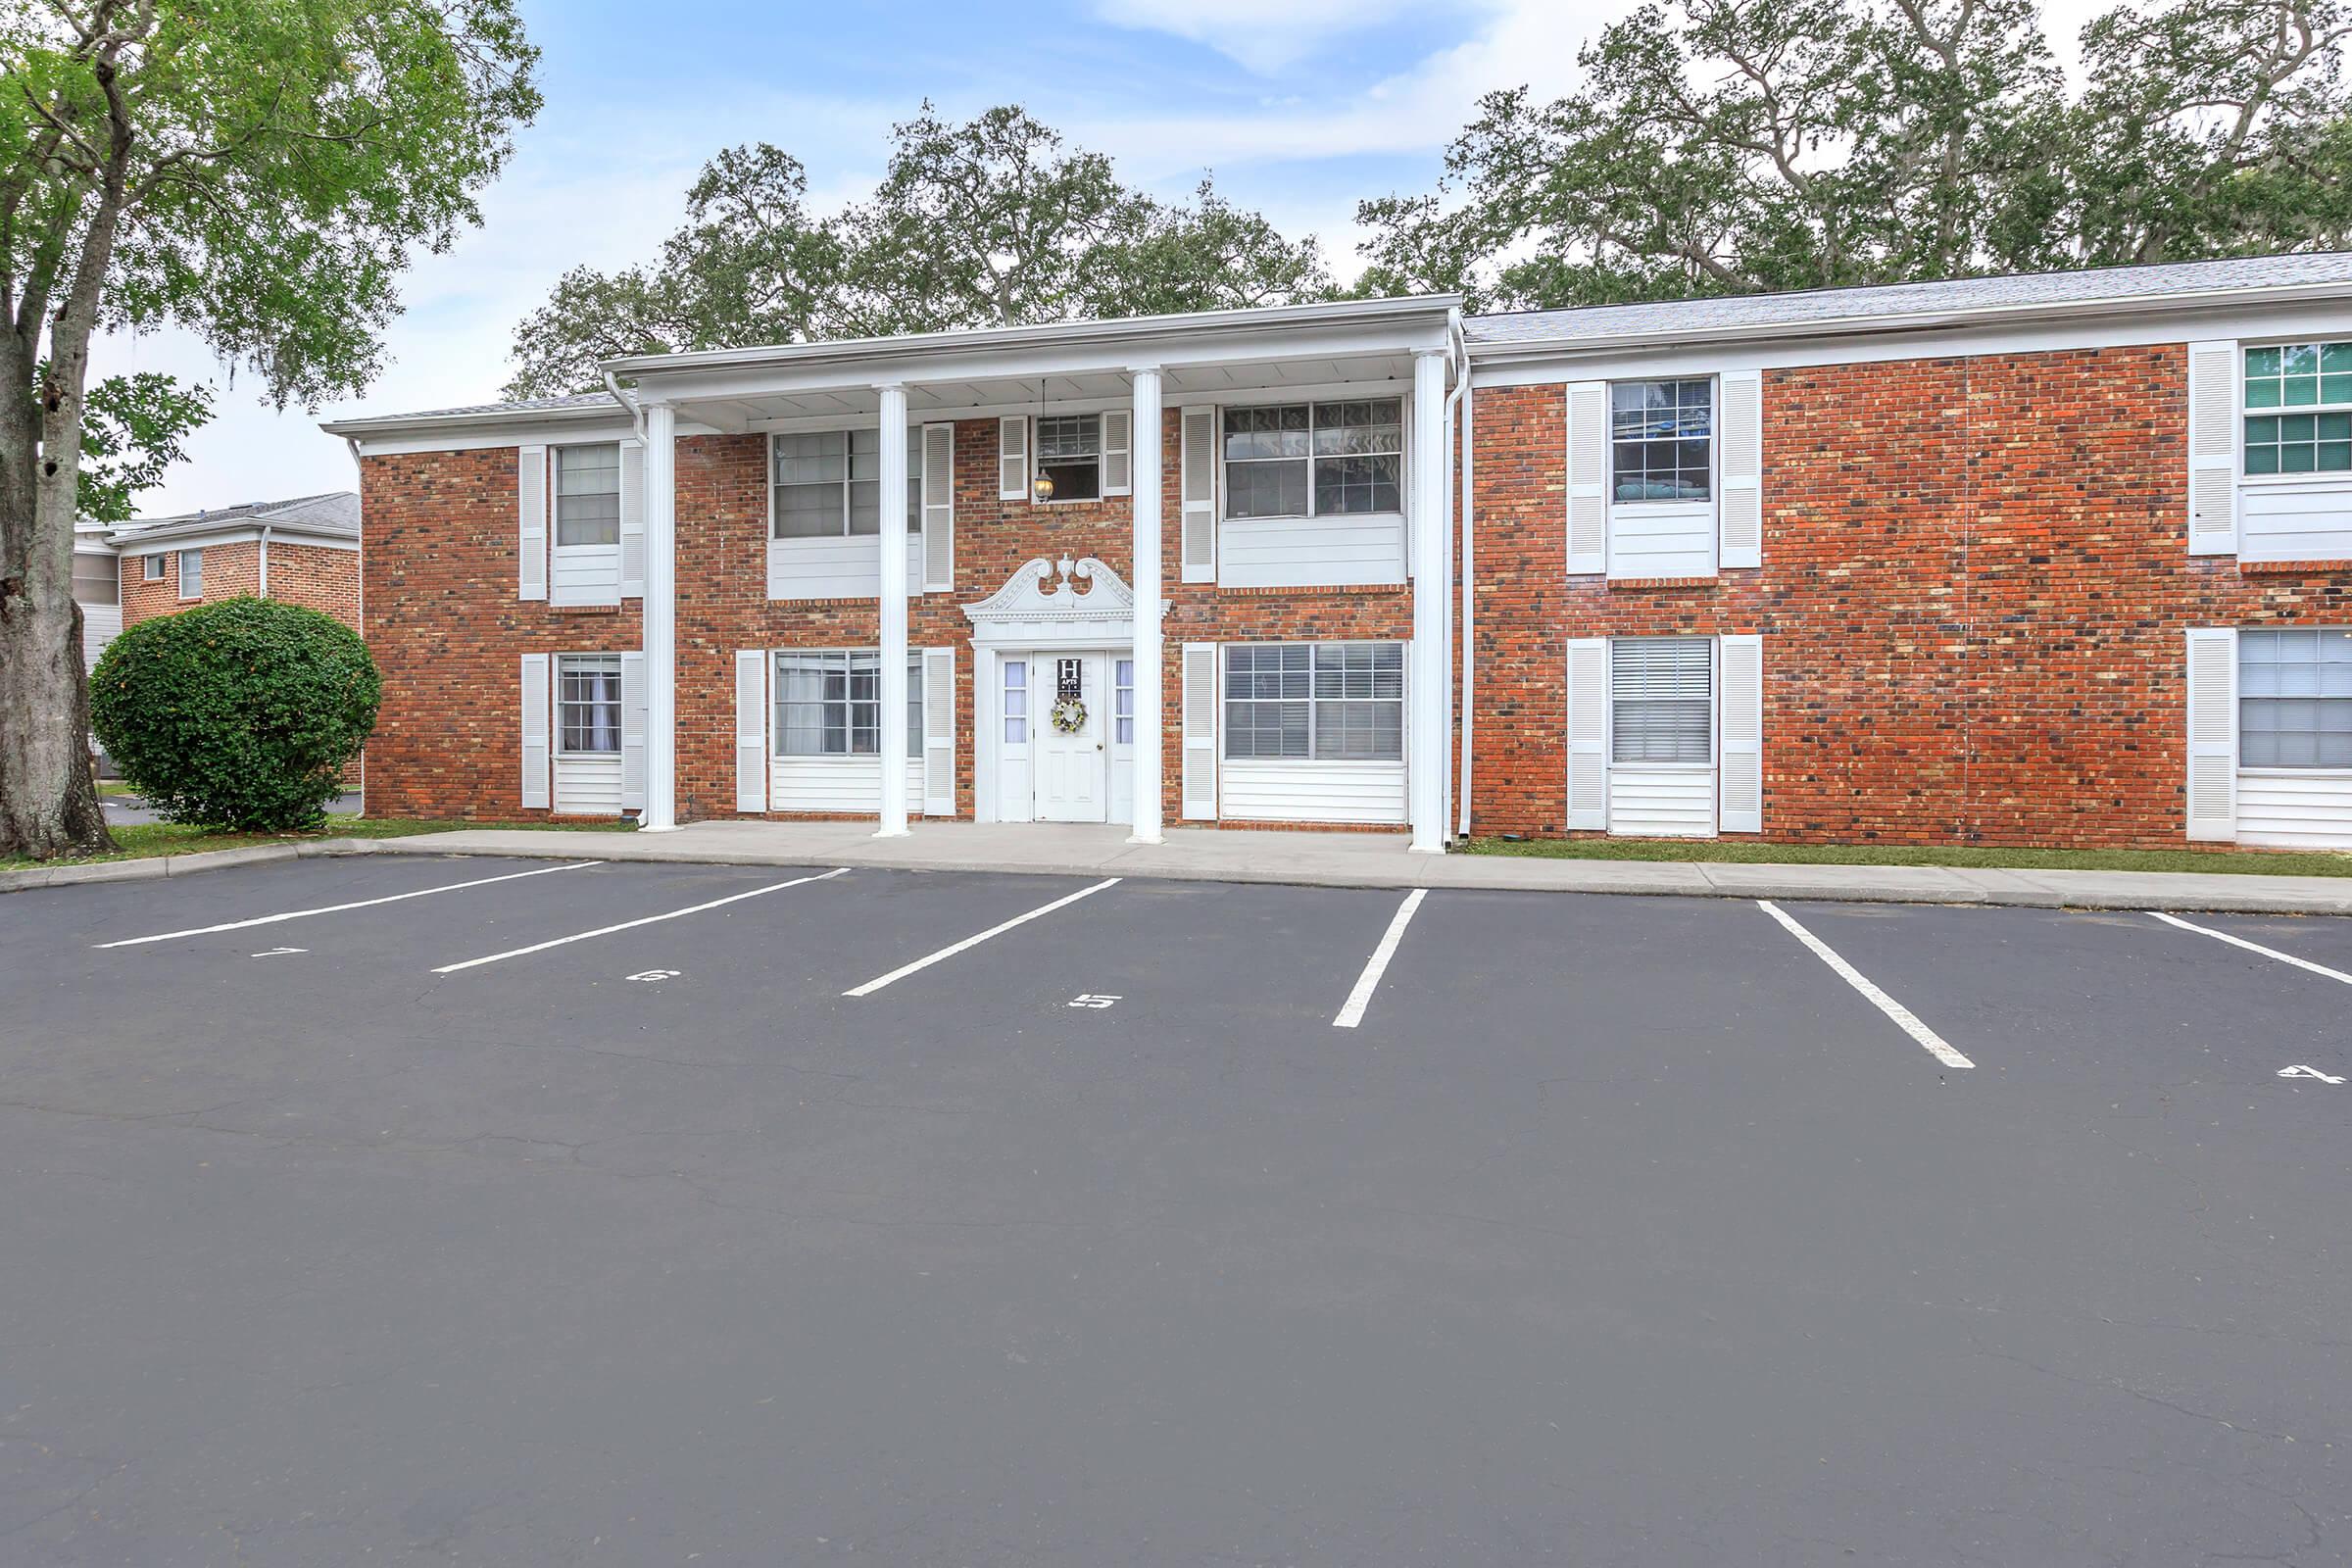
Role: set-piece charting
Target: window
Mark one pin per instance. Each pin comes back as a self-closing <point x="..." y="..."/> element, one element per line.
<point x="154" y="567"/>
<point x="829" y="704"/>
<point x="1123" y="702"/>
<point x="828" y="484"/>
<point x="97" y="580"/>
<point x="588" y="493"/>
<point x="2312" y="384"/>
<point x="1330" y="702"/>
<point x="1662" y="700"/>
<point x="2294" y="698"/>
<point x="1016" y="702"/>
<point x="1069" y="452"/>
<point x="1661" y="440"/>
<point x="1321" y="460"/>
<point x="191" y="574"/>
<point x="588" y="703"/>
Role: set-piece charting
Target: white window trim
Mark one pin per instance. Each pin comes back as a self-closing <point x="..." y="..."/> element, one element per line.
<point x="916" y="693"/>
<point x="1404" y="702"/>
<point x="1615" y="508"/>
<point x="914" y="469"/>
<point x="557" y="729"/>
<point x="153" y="567"/>
<point x="185" y="557"/>
<point x="2331" y="476"/>
<point x="554" y="494"/>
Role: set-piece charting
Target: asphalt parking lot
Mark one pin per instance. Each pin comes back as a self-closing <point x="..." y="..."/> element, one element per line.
<point x="498" y="1213"/>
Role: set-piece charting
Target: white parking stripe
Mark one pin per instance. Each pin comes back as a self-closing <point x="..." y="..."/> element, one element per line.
<point x="1902" y="1016"/>
<point x="631" y="925"/>
<point x="337" y="908"/>
<point x="2253" y="947"/>
<point x="1352" y="1011"/>
<point x="925" y="962"/>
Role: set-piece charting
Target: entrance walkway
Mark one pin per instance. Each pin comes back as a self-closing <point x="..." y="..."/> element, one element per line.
<point x="1377" y="861"/>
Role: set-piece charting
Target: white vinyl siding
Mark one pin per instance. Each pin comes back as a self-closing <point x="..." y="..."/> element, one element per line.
<point x="2296" y="517"/>
<point x="100" y="625"/>
<point x="1311" y="552"/>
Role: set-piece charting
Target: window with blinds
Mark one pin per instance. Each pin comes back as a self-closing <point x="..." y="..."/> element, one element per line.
<point x="2294" y="698"/>
<point x="1330" y="702"/>
<point x="588" y="703"/>
<point x="97" y="580"/>
<point x="588" y="493"/>
<point x="1662" y="700"/>
<point x="829" y="704"/>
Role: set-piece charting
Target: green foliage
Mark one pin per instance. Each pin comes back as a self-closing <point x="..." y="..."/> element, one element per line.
<point x="132" y="430"/>
<point x="986" y="224"/>
<point x="238" y="714"/>
<point x="1729" y="146"/>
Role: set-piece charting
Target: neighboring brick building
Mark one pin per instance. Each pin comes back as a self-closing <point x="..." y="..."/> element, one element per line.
<point x="304" y="552"/>
<point x="1908" y="564"/>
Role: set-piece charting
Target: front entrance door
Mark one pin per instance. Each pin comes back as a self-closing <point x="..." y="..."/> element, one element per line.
<point x="1073" y="764"/>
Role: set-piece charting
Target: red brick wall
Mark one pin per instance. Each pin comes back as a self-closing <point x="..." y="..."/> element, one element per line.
<point x="449" y="633"/>
<point x="1973" y="599"/>
<point x="300" y="574"/>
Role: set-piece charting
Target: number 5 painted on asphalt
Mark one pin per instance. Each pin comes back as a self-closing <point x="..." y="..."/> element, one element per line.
<point x="1090" y="1000"/>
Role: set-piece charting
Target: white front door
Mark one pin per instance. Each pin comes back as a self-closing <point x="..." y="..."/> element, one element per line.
<point x="1072" y="765"/>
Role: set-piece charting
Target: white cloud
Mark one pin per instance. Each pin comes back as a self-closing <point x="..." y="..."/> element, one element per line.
<point x="1263" y="36"/>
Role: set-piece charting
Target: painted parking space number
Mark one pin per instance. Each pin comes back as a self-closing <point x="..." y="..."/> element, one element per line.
<point x="1090" y="1000"/>
<point x="2309" y="1072"/>
<point x="654" y="975"/>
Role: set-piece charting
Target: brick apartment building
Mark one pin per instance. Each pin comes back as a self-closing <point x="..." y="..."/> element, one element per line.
<point x="2051" y="560"/>
<point x="305" y="550"/>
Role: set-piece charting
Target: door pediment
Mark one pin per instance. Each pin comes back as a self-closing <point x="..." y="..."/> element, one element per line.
<point x="1042" y="605"/>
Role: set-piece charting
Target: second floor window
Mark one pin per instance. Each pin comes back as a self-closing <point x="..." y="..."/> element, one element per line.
<point x="2299" y="408"/>
<point x="97" y="580"/>
<point x="1315" y="459"/>
<point x="1661" y="440"/>
<point x="1069" y="452"/>
<point x="828" y="485"/>
<point x="153" y="571"/>
<point x="588" y="493"/>
<point x="191" y="574"/>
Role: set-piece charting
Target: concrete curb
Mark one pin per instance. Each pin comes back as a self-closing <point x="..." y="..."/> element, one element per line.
<point x="1985" y="887"/>
<point x="164" y="865"/>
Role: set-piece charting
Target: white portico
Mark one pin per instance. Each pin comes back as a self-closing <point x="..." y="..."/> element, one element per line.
<point x="1307" y="450"/>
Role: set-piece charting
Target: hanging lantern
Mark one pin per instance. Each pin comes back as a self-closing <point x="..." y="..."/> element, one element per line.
<point x="1040" y="489"/>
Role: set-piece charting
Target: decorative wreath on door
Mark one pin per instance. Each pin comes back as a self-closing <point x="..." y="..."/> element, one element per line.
<point x="1068" y="715"/>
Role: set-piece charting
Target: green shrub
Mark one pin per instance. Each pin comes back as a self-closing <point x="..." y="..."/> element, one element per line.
<point x="237" y="714"/>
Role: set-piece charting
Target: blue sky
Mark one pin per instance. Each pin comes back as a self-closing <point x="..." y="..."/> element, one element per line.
<point x="1299" y="107"/>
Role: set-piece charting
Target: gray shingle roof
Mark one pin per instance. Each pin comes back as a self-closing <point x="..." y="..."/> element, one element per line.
<point x="335" y="513"/>
<point x="1814" y="306"/>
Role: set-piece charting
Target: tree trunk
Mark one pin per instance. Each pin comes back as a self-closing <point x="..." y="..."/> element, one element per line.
<point x="48" y="800"/>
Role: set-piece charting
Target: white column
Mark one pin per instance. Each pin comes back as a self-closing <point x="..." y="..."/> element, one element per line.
<point x="1151" y="666"/>
<point x="894" y="610"/>
<point x="661" y="618"/>
<point x="1431" y="702"/>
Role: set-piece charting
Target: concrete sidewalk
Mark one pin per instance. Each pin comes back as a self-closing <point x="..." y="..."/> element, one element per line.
<point x="1378" y="860"/>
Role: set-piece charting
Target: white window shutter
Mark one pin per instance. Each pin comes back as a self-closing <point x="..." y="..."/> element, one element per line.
<point x="1739" y="723"/>
<point x="938" y="732"/>
<point x="632" y="520"/>
<point x="1588" y="732"/>
<point x="1740" y="513"/>
<point x="751" y="730"/>
<point x="632" y="732"/>
<point x="1013" y="457"/>
<point x="1118" y="452"/>
<point x="939" y="509"/>
<point x="530" y="497"/>
<point x="2213" y="428"/>
<point x="534" y="731"/>
<point x="1588" y="477"/>
<point x="2213" y="733"/>
<point x="1200" y="733"/>
<point x="1196" y="465"/>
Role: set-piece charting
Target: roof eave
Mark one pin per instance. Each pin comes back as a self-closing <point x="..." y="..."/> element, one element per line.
<point x="1518" y="349"/>
<point x="413" y="424"/>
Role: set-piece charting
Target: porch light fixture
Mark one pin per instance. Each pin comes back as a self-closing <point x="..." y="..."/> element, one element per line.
<point x="1041" y="488"/>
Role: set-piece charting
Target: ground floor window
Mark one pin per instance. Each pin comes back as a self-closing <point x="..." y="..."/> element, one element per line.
<point x="1321" y="701"/>
<point x="1016" y="702"/>
<point x="1123" y="702"/>
<point x="1662" y="700"/>
<point x="588" y="703"/>
<point x="829" y="704"/>
<point x="2294" y="698"/>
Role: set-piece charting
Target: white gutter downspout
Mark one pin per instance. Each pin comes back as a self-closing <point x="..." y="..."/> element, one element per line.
<point x="358" y="490"/>
<point x="1466" y="404"/>
<point x="636" y="413"/>
<point x="264" y="561"/>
